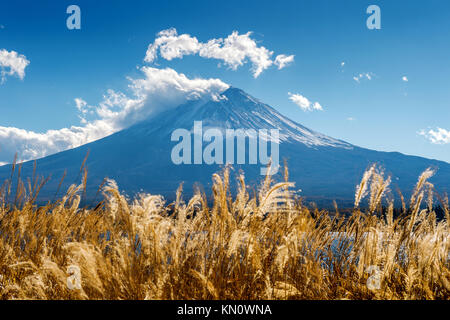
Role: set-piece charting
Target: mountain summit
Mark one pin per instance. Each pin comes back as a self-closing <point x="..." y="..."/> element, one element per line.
<point x="235" y="109"/>
<point x="139" y="157"/>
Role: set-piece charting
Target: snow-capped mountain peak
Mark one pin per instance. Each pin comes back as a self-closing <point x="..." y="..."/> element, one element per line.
<point x="139" y="158"/>
<point x="235" y="109"/>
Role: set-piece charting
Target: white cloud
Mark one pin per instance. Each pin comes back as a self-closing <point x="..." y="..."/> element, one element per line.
<point x="84" y="109"/>
<point x="351" y="119"/>
<point x="235" y="50"/>
<point x="342" y="63"/>
<point x="172" y="46"/>
<point x="304" y="102"/>
<point x="317" y="106"/>
<point x="157" y="90"/>
<point x="300" y="100"/>
<point x="81" y="105"/>
<point x="283" y="60"/>
<point x="32" y="145"/>
<point x="12" y="63"/>
<point x="438" y="136"/>
<point x="404" y="78"/>
<point x="361" y="76"/>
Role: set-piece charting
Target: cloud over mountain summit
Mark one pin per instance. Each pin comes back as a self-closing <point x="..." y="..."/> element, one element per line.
<point x="157" y="90"/>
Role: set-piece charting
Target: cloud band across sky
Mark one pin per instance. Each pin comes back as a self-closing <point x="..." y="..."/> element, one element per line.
<point x="234" y="51"/>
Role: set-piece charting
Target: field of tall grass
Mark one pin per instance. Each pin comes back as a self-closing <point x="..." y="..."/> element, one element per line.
<point x="262" y="244"/>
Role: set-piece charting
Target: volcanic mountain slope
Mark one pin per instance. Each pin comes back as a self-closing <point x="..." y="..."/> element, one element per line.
<point x="139" y="158"/>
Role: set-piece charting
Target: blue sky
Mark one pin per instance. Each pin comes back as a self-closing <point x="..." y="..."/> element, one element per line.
<point x="383" y="112"/>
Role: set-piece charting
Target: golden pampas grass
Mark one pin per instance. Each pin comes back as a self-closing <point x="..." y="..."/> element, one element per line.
<point x="261" y="246"/>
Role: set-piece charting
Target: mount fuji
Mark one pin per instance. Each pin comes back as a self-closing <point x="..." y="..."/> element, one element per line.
<point x="139" y="157"/>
